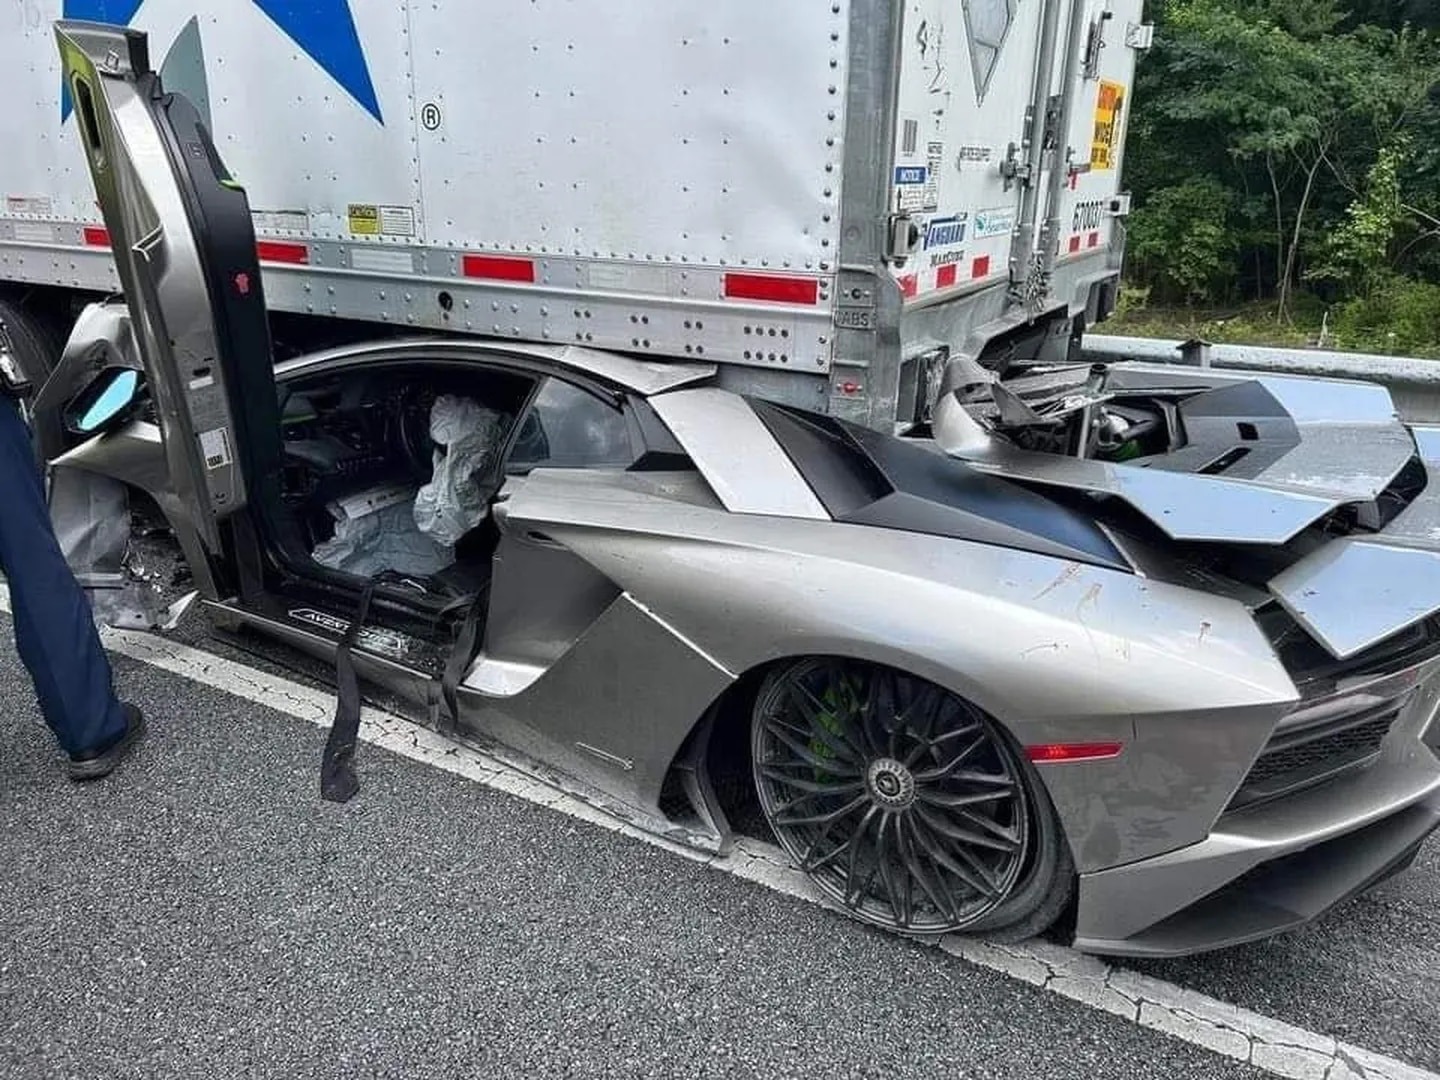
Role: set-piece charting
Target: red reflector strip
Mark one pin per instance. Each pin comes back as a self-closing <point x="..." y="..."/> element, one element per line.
<point x="498" y="268"/>
<point x="945" y="276"/>
<point x="772" y="287"/>
<point x="1095" y="751"/>
<point x="95" y="236"/>
<point x="909" y="286"/>
<point x="1094" y="240"/>
<point x="1074" y="244"/>
<point x="276" y="251"/>
<point x="981" y="267"/>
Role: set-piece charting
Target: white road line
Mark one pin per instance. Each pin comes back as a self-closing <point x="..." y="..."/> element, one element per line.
<point x="1264" y="1042"/>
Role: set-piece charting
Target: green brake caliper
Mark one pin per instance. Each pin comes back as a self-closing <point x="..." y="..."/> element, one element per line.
<point x="838" y="700"/>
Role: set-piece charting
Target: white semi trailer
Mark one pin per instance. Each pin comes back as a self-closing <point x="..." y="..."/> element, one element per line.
<point x="833" y="200"/>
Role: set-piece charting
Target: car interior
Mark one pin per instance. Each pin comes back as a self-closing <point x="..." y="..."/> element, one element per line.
<point x="391" y="472"/>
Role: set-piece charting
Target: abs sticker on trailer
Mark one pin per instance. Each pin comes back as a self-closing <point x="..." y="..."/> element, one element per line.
<point x="1103" y="143"/>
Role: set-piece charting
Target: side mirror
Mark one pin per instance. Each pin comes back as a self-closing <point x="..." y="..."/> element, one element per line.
<point x="108" y="400"/>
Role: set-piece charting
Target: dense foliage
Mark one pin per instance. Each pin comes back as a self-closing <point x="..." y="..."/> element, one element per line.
<point x="1286" y="153"/>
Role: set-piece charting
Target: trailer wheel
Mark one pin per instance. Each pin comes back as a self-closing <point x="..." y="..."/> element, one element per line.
<point x="35" y="347"/>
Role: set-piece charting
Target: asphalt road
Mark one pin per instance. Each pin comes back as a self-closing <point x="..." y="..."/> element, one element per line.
<point x="202" y="913"/>
<point x="1368" y="973"/>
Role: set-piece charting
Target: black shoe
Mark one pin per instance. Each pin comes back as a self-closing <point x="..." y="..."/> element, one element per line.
<point x="93" y="764"/>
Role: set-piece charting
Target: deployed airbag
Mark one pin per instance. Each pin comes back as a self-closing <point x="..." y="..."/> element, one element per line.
<point x="375" y="531"/>
<point x="466" y="435"/>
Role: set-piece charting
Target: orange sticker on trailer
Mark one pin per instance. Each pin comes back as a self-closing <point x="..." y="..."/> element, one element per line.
<point x="1104" y="142"/>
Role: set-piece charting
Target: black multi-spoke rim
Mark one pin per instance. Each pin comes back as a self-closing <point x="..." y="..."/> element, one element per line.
<point x="899" y="799"/>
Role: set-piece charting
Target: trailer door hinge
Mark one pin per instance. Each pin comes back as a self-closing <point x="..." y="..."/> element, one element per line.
<point x="904" y="235"/>
<point x="1095" y="43"/>
<point x="1140" y="36"/>
<point x="1013" y="169"/>
<point x="1050" y="134"/>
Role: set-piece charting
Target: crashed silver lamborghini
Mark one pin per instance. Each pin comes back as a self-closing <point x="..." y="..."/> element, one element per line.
<point x="1145" y="653"/>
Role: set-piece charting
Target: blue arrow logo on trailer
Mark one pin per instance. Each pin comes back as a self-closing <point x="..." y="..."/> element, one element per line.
<point x="324" y="30"/>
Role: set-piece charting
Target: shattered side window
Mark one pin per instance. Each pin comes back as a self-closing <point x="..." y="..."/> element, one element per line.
<point x="987" y="23"/>
<point x="566" y="427"/>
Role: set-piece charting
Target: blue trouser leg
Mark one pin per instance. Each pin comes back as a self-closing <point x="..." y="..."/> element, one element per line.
<point x="54" y="628"/>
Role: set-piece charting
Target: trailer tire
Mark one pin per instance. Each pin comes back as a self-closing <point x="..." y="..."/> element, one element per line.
<point x="36" y="347"/>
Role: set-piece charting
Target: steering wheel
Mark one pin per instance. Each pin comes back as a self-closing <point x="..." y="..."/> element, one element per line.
<point x="412" y="434"/>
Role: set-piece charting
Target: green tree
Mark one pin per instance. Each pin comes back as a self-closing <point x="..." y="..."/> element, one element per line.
<point x="1183" y="241"/>
<point x="1282" y="109"/>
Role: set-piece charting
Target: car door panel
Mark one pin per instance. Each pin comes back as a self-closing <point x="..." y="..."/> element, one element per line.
<point x="184" y="249"/>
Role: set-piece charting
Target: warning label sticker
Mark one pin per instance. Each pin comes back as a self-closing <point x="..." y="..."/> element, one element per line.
<point x="281" y="220"/>
<point x="934" y="155"/>
<point x="975" y="158"/>
<point x="38" y="205"/>
<point x="215" y="446"/>
<point x="910" y="184"/>
<point x="1108" y="109"/>
<point x="367" y="219"/>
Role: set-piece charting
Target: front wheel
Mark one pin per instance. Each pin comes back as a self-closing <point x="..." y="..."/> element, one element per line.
<point x="904" y="803"/>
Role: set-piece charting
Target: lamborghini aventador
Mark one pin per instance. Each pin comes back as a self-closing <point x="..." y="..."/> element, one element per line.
<point x="1147" y="654"/>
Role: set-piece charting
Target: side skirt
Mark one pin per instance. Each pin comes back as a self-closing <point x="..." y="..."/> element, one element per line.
<point x="410" y="669"/>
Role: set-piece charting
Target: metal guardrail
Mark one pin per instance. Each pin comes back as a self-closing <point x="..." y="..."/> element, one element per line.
<point x="1413" y="383"/>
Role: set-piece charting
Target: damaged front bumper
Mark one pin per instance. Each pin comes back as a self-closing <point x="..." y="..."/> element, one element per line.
<point x="1273" y="864"/>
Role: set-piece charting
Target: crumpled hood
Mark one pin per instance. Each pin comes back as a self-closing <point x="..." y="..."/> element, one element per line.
<point x="1267" y="457"/>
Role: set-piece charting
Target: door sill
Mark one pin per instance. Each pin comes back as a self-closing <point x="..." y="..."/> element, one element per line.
<point x="317" y="627"/>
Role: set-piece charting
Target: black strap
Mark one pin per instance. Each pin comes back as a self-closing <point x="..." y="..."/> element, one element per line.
<point x="337" y="768"/>
<point x="467" y="644"/>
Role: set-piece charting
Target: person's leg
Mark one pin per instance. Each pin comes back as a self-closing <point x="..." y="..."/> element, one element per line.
<point x="54" y="627"/>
